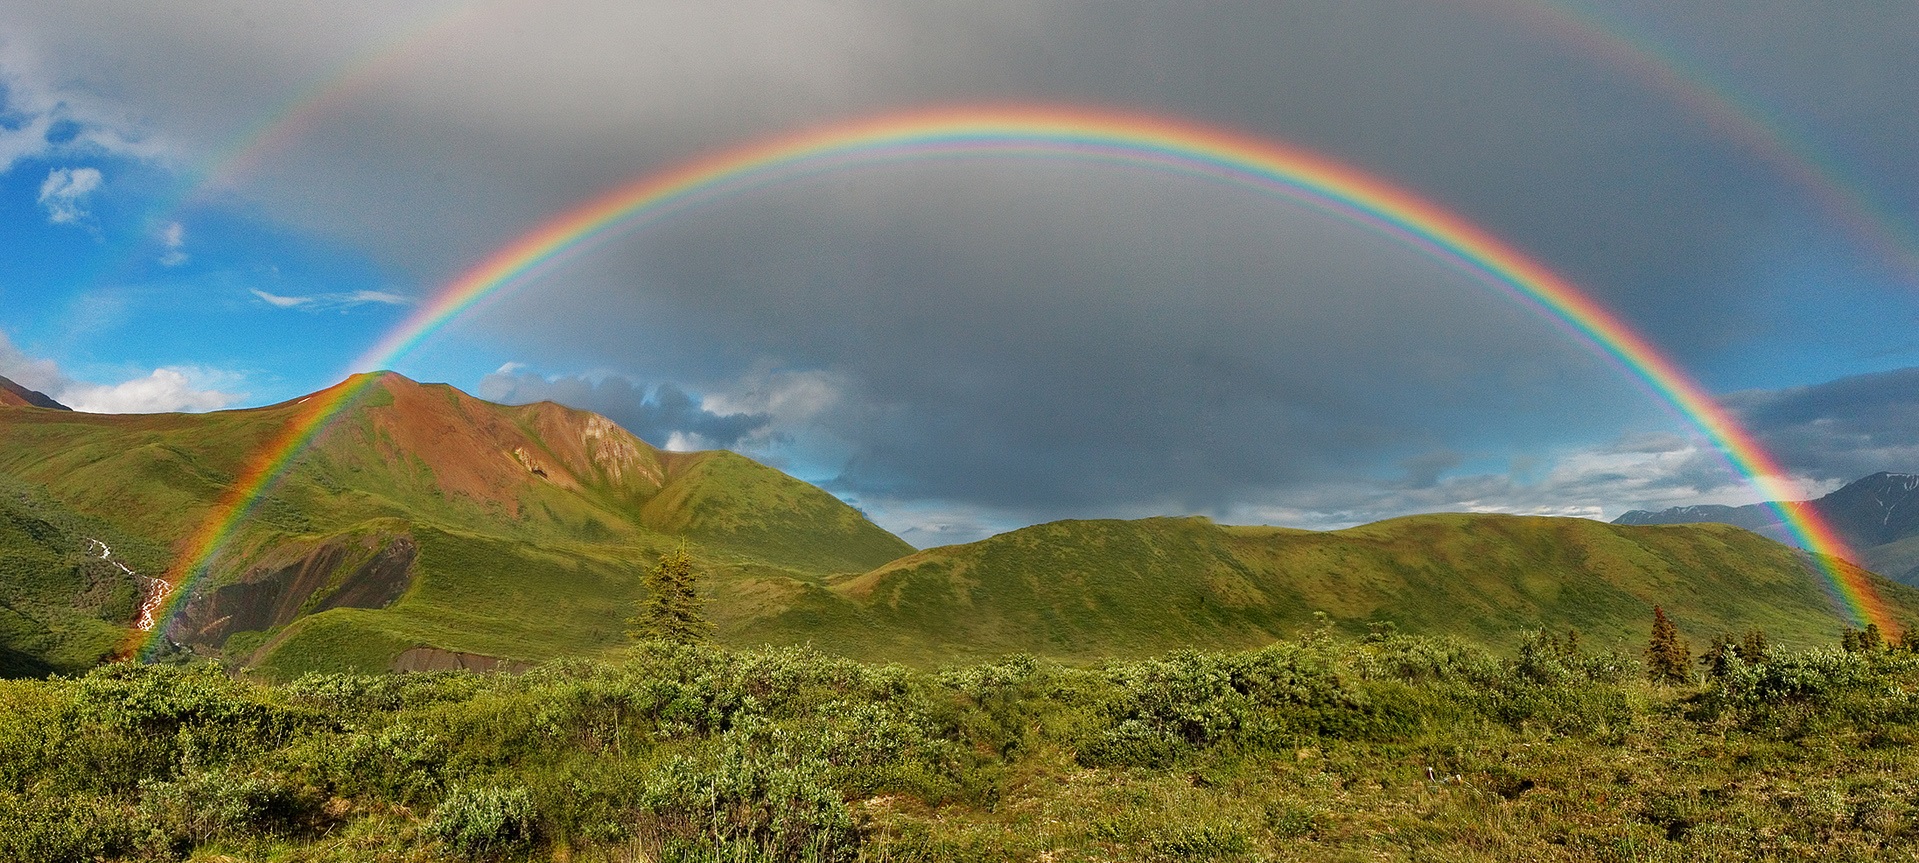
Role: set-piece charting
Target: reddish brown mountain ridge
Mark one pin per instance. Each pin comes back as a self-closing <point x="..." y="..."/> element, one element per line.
<point x="422" y="517"/>
<point x="490" y="453"/>
<point x="15" y="395"/>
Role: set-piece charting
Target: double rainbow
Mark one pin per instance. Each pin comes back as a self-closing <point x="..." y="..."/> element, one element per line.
<point x="1025" y="132"/>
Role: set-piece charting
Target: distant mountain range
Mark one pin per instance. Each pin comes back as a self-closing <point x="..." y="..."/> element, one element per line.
<point x="15" y="395"/>
<point x="425" y="528"/>
<point x="1878" y="516"/>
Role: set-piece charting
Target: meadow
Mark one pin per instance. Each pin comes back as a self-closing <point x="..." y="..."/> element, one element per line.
<point x="1321" y="747"/>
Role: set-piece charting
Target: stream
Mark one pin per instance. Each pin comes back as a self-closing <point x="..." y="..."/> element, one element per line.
<point x="153" y="591"/>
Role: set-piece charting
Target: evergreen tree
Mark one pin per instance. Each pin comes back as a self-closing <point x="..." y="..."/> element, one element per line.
<point x="1719" y="656"/>
<point x="1668" y="659"/>
<point x="1753" y="649"/>
<point x="1868" y="640"/>
<point x="672" y="608"/>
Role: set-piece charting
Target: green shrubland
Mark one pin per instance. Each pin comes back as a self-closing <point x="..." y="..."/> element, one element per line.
<point x="1323" y="747"/>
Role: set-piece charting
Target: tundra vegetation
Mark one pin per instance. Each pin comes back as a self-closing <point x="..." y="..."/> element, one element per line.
<point x="1322" y="747"/>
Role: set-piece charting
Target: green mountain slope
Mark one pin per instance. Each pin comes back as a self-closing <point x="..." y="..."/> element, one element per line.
<point x="421" y="517"/>
<point x="1104" y="588"/>
<point x="64" y="605"/>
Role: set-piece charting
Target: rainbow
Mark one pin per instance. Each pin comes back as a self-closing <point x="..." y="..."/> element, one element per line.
<point x="319" y="100"/>
<point x="1025" y="132"/>
<point x="1815" y="171"/>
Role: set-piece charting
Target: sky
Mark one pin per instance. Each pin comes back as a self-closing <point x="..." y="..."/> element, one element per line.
<point x="215" y="205"/>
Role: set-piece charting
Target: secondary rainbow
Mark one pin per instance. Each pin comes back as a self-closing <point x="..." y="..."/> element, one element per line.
<point x="1815" y="170"/>
<point x="1024" y="132"/>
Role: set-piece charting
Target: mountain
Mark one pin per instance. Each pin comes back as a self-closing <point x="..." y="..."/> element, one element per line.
<point x="423" y="528"/>
<point x="1877" y="516"/>
<point x="1089" y="589"/>
<point x="422" y="518"/>
<point x="15" y="395"/>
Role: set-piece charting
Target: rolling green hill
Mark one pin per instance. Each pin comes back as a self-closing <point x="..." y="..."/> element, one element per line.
<point x="424" y="528"/>
<point x="1089" y="589"/>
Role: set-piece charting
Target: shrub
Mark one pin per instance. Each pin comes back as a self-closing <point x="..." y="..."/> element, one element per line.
<point x="758" y="801"/>
<point x="204" y="806"/>
<point x="79" y="829"/>
<point x="484" y="821"/>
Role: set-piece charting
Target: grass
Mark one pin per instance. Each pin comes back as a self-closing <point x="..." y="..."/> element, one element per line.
<point x="1320" y="748"/>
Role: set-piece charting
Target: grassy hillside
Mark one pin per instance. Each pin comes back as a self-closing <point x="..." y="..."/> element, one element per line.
<point x="1876" y="516"/>
<point x="532" y="523"/>
<point x="62" y="606"/>
<point x="1090" y="589"/>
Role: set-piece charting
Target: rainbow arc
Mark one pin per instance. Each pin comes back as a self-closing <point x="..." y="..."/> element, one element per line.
<point x="1053" y="132"/>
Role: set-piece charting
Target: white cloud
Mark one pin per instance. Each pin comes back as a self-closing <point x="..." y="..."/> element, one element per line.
<point x="358" y="297"/>
<point x="1637" y="472"/>
<point x="173" y="237"/>
<point x="34" y="374"/>
<point x="37" y="111"/>
<point x="282" y="302"/>
<point x="166" y="390"/>
<point x="663" y="414"/>
<point x="790" y="397"/>
<point x="926" y="524"/>
<point x="64" y="193"/>
<point x="319" y="302"/>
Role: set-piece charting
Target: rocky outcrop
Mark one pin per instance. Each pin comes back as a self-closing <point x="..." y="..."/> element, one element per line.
<point x="342" y="572"/>
<point x="435" y="659"/>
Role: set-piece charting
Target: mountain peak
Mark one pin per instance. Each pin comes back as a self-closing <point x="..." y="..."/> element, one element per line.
<point x="15" y="395"/>
<point x="1872" y="514"/>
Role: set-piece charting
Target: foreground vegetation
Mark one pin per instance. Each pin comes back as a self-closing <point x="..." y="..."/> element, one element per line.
<point x="1320" y="748"/>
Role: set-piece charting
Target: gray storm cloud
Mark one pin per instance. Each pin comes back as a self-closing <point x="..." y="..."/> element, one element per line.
<point x="1839" y="430"/>
<point x="1078" y="336"/>
<point x="498" y="114"/>
<point x="1055" y="339"/>
<point x="660" y="414"/>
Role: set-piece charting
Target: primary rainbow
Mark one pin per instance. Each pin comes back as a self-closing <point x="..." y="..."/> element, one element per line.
<point x="1153" y="142"/>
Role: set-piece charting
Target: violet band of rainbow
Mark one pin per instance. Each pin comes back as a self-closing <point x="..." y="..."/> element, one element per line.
<point x="1072" y="133"/>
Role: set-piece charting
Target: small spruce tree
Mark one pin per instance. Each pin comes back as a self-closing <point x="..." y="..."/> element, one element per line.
<point x="1719" y="656"/>
<point x="1668" y="659"/>
<point x="672" y="608"/>
<point x="1868" y="640"/>
<point x="1753" y="649"/>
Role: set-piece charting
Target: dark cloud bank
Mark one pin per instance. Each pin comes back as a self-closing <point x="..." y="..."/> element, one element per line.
<point x="1840" y="430"/>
